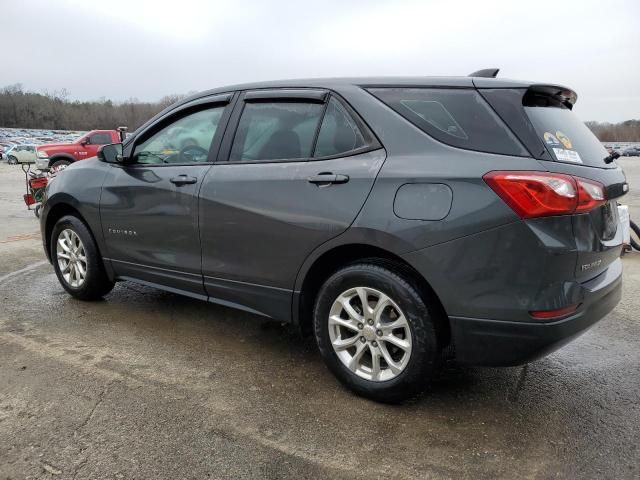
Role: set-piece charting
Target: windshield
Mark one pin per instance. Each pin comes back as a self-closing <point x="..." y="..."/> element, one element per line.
<point x="566" y="137"/>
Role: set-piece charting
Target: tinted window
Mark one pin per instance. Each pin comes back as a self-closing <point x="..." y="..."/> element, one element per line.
<point x="566" y="137"/>
<point x="276" y="130"/>
<point x="338" y="133"/>
<point x="186" y="140"/>
<point x="100" y="139"/>
<point x="457" y="117"/>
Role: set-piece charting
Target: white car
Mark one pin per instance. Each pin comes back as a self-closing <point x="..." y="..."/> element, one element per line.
<point x="22" y="154"/>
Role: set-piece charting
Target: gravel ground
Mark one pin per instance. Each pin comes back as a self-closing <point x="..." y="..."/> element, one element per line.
<point x="146" y="384"/>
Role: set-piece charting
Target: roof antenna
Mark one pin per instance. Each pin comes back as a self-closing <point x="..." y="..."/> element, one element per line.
<point x="486" y="73"/>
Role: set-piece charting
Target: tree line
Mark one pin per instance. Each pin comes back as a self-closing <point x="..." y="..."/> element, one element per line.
<point x="54" y="111"/>
<point x="627" y="131"/>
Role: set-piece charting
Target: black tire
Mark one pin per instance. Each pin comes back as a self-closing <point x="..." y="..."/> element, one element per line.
<point x="424" y="358"/>
<point x="635" y="229"/>
<point x="12" y="160"/>
<point x="96" y="283"/>
<point x="59" y="164"/>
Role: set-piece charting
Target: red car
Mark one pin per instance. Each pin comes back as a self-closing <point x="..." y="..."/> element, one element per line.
<point x="57" y="155"/>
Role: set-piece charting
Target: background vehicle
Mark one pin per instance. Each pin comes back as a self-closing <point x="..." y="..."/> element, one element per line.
<point x="62" y="154"/>
<point x="7" y="153"/>
<point x="392" y="218"/>
<point x="4" y="148"/>
<point x="631" y="152"/>
<point x="21" y="154"/>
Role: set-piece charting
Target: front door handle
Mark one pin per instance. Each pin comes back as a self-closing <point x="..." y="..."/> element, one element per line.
<point x="183" y="180"/>
<point x="327" y="178"/>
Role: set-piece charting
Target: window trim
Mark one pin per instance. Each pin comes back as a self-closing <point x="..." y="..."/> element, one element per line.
<point x="272" y="94"/>
<point x="225" y="100"/>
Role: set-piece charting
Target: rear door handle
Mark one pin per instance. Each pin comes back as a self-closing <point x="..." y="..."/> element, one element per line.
<point x="183" y="180"/>
<point x="327" y="178"/>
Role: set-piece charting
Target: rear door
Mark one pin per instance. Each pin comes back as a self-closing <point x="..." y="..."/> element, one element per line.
<point x="295" y="168"/>
<point x="561" y="141"/>
<point x="149" y="207"/>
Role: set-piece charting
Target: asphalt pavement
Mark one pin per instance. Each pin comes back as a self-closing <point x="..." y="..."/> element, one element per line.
<point x="151" y="385"/>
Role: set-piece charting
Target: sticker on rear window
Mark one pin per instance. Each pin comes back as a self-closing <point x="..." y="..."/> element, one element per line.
<point x="565" y="140"/>
<point x="567" y="155"/>
<point x="550" y="139"/>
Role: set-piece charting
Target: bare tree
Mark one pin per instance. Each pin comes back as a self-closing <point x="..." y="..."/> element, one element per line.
<point x="55" y="111"/>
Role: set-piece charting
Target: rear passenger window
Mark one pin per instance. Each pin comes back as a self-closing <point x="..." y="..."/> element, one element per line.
<point x="338" y="133"/>
<point x="457" y="117"/>
<point x="276" y="131"/>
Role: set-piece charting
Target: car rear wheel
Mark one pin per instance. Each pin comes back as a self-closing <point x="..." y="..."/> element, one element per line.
<point x="375" y="332"/>
<point x="76" y="260"/>
<point x="12" y="160"/>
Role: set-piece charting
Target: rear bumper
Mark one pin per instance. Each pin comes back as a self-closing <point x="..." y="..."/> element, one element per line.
<point x="504" y="343"/>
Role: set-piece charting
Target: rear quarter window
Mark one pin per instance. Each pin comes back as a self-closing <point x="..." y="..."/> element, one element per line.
<point x="458" y="117"/>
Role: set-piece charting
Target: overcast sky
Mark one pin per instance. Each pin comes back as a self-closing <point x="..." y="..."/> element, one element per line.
<point x="128" y="48"/>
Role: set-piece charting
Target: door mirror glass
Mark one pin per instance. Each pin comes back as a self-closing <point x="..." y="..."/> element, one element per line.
<point x="111" y="153"/>
<point x="84" y="141"/>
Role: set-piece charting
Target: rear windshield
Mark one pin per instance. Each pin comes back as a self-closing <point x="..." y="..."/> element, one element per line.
<point x="457" y="117"/>
<point x="565" y="136"/>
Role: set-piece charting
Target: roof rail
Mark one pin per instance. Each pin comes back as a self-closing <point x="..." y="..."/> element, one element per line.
<point x="485" y="73"/>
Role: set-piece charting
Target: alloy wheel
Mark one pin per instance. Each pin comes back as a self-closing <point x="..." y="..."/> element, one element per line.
<point x="72" y="258"/>
<point x="370" y="334"/>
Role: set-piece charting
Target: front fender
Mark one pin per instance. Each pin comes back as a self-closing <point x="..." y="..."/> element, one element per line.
<point x="76" y="189"/>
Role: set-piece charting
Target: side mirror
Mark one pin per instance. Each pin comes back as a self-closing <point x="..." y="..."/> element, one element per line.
<point x="111" y="153"/>
<point x="85" y="141"/>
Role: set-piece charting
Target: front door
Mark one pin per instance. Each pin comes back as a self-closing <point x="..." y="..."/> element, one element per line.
<point x="93" y="142"/>
<point x="297" y="170"/>
<point x="149" y="207"/>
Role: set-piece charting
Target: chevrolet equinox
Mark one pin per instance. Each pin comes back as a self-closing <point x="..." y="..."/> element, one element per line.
<point x="395" y="219"/>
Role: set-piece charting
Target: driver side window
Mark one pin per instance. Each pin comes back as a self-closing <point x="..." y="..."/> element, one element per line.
<point x="187" y="140"/>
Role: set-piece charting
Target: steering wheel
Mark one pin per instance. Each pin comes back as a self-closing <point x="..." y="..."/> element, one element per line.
<point x="187" y="153"/>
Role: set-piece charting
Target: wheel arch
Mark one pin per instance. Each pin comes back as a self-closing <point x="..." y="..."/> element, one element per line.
<point x="60" y="156"/>
<point x="62" y="209"/>
<point x="328" y="262"/>
<point x="56" y="212"/>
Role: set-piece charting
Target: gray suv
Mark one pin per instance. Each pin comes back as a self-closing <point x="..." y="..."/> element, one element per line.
<point x="396" y="219"/>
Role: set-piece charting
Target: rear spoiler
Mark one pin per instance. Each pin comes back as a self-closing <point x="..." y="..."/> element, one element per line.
<point x="562" y="94"/>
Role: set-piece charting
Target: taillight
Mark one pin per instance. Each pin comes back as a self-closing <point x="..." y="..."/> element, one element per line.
<point x="542" y="194"/>
<point x="590" y="195"/>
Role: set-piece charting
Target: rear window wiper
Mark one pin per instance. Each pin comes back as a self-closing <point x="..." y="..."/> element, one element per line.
<point x="611" y="157"/>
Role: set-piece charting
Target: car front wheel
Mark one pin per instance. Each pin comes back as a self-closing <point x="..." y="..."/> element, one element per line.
<point x="59" y="165"/>
<point x="375" y="332"/>
<point x="76" y="260"/>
